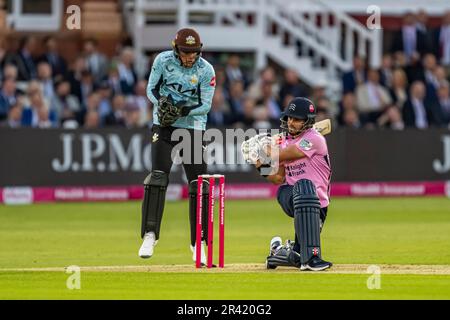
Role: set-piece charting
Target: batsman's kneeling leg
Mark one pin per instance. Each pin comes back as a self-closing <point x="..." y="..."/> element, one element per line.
<point x="284" y="197"/>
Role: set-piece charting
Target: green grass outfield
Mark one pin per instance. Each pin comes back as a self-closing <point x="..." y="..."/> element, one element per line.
<point x="408" y="238"/>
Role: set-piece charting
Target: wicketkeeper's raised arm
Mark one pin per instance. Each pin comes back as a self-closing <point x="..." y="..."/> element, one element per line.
<point x="205" y="93"/>
<point x="155" y="81"/>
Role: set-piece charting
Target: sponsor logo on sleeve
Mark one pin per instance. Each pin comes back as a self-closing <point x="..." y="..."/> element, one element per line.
<point x="305" y="145"/>
<point x="212" y="83"/>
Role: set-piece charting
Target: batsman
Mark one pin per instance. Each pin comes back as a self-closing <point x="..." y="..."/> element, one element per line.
<point x="299" y="162"/>
<point x="181" y="88"/>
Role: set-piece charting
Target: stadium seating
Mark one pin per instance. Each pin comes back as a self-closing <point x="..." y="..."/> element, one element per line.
<point x="101" y="17"/>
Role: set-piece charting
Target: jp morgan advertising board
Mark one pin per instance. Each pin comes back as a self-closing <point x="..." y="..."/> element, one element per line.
<point x="38" y="157"/>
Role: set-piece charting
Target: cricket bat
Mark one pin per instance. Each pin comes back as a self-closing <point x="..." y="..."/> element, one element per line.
<point x="323" y="127"/>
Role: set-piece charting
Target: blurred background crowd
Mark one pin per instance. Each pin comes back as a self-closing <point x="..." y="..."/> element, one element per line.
<point x="40" y="89"/>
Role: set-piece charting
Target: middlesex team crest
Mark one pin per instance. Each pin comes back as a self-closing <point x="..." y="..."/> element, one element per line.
<point x="155" y="137"/>
<point x="305" y="145"/>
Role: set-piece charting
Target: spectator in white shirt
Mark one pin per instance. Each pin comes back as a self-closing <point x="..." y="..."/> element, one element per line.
<point x="444" y="40"/>
<point x="127" y="74"/>
<point x="97" y="63"/>
<point x="45" y="77"/>
<point x="233" y="71"/>
<point x="372" y="98"/>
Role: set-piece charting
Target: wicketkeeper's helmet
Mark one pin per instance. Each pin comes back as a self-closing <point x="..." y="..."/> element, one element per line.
<point x="187" y="40"/>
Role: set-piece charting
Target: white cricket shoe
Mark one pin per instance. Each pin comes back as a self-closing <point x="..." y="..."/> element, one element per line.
<point x="203" y="254"/>
<point x="146" y="250"/>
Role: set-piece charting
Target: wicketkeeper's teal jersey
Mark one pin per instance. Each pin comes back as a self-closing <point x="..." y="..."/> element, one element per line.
<point x="194" y="85"/>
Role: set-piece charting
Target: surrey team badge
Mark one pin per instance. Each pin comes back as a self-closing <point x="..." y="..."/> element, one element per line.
<point x="190" y="40"/>
<point x="194" y="80"/>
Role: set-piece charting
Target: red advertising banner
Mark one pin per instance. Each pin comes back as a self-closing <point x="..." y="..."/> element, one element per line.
<point x="28" y="195"/>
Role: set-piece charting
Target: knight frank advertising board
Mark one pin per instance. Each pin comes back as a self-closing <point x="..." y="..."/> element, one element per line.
<point x="112" y="157"/>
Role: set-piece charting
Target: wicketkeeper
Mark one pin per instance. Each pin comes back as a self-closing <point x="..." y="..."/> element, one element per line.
<point x="181" y="88"/>
<point x="302" y="168"/>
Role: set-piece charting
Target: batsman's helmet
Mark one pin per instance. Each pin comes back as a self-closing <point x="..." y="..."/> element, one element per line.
<point x="187" y="40"/>
<point x="300" y="108"/>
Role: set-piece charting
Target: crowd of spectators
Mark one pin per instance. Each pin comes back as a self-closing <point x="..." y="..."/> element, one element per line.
<point x="410" y="89"/>
<point x="94" y="91"/>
